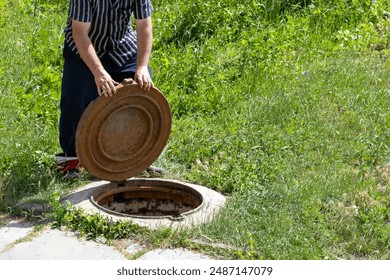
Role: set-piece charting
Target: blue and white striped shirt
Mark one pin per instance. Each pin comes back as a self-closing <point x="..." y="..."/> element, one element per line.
<point x="111" y="30"/>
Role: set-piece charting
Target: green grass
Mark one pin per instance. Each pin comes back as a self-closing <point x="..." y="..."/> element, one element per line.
<point x="281" y="105"/>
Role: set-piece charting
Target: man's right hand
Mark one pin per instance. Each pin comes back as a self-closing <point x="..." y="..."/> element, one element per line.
<point x="104" y="83"/>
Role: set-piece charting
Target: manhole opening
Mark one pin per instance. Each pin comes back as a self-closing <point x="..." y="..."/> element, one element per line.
<point x="146" y="201"/>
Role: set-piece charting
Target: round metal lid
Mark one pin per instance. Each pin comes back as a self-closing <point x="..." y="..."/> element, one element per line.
<point x="120" y="136"/>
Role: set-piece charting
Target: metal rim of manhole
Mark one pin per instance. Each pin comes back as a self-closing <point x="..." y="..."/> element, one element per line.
<point x="152" y="199"/>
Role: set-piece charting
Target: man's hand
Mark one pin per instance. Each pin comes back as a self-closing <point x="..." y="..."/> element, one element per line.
<point x="142" y="77"/>
<point x="144" y="46"/>
<point x="105" y="84"/>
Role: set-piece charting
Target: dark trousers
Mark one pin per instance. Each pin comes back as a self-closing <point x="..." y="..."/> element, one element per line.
<point x="79" y="89"/>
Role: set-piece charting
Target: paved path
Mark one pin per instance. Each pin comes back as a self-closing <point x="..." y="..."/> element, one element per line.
<point x="19" y="241"/>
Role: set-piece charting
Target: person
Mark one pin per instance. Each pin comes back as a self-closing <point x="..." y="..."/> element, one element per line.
<point x="101" y="48"/>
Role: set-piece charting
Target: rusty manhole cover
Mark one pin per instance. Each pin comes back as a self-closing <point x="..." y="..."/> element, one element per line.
<point x="120" y="136"/>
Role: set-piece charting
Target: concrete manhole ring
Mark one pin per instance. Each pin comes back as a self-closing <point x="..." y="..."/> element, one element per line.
<point x="149" y="202"/>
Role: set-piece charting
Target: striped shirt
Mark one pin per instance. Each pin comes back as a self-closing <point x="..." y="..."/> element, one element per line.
<point x="111" y="30"/>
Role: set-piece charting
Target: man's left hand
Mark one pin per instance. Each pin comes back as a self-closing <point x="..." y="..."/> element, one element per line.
<point x="142" y="77"/>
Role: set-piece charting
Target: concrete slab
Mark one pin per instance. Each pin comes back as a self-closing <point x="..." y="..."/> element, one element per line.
<point x="57" y="245"/>
<point x="212" y="202"/>
<point x="172" y="254"/>
<point x="14" y="231"/>
<point x="133" y="249"/>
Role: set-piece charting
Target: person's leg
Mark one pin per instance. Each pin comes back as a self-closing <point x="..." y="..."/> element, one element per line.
<point x="78" y="90"/>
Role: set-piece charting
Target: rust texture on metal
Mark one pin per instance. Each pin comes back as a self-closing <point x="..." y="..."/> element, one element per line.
<point x="155" y="199"/>
<point x="120" y="136"/>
